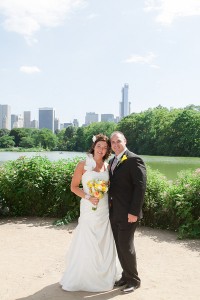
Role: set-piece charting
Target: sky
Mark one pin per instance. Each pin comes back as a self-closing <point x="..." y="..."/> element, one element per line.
<point x="76" y="55"/>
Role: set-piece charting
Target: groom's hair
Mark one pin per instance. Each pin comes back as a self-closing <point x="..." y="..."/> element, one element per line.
<point x="117" y="132"/>
<point x="101" y="138"/>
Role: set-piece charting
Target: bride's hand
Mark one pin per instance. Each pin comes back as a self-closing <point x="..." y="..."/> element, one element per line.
<point x="94" y="200"/>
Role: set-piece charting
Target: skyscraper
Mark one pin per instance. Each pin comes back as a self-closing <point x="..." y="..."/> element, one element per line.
<point x="107" y="118"/>
<point x="56" y="124"/>
<point x="125" y="105"/>
<point x="46" y="118"/>
<point x="91" y="117"/>
<point x="14" y="120"/>
<point x="27" y="119"/>
<point x="5" y="117"/>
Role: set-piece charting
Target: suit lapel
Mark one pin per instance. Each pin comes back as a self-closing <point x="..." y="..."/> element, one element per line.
<point x="111" y="162"/>
<point x="120" y="162"/>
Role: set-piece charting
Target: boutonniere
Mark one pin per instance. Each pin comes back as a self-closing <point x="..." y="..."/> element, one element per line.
<point x="124" y="157"/>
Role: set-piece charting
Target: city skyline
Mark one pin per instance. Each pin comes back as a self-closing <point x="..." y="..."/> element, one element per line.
<point x="75" y="56"/>
<point x="25" y="120"/>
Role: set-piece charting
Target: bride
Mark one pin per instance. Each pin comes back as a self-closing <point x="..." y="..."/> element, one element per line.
<point x="91" y="260"/>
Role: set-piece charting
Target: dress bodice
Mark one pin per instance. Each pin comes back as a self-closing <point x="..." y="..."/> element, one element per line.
<point x="90" y="174"/>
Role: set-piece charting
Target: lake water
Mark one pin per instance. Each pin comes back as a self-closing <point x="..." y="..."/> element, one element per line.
<point x="167" y="165"/>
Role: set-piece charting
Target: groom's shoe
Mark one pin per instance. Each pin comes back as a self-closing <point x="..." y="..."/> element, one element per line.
<point x="120" y="282"/>
<point x="129" y="288"/>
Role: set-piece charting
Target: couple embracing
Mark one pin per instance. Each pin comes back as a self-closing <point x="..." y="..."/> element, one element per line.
<point x="108" y="220"/>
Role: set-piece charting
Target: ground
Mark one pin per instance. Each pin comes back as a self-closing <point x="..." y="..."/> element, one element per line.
<point x="32" y="260"/>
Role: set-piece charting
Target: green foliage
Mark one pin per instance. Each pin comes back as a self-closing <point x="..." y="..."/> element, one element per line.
<point x="6" y="141"/>
<point x="185" y="137"/>
<point x="46" y="139"/>
<point x="19" y="133"/>
<point x="154" y="205"/>
<point x="157" y="131"/>
<point x="160" y="131"/>
<point x="94" y="128"/>
<point x="4" y="131"/>
<point x="27" y="142"/>
<point x="173" y="205"/>
<point x="38" y="187"/>
<point x="183" y="204"/>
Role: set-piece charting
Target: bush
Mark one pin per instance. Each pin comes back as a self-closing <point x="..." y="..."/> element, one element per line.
<point x="173" y="205"/>
<point x="154" y="203"/>
<point x="183" y="203"/>
<point x="38" y="187"/>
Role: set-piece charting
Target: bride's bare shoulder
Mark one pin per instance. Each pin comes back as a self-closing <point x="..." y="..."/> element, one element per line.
<point x="80" y="165"/>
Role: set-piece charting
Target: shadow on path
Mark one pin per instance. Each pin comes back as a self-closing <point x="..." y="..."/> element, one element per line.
<point x="38" y="222"/>
<point x="54" y="291"/>
<point x="161" y="235"/>
<point x="158" y="235"/>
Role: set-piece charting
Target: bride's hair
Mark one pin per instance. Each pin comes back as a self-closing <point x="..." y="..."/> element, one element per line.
<point x="101" y="138"/>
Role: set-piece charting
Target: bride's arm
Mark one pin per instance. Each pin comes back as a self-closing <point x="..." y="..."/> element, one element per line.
<point x="76" y="180"/>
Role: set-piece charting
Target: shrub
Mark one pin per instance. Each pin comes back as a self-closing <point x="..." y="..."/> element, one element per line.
<point x="154" y="209"/>
<point x="37" y="187"/>
<point x="183" y="203"/>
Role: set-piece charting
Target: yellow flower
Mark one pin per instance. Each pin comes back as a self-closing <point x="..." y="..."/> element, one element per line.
<point x="124" y="157"/>
<point x="97" y="188"/>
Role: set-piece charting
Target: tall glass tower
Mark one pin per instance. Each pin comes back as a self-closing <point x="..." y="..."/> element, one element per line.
<point x="5" y="116"/>
<point x="125" y="105"/>
<point x="27" y="119"/>
<point x="46" y="118"/>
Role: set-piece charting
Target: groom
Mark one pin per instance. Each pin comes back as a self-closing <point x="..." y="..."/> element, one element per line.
<point x="126" y="196"/>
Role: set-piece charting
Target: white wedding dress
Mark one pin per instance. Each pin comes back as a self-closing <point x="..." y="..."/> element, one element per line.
<point x="91" y="259"/>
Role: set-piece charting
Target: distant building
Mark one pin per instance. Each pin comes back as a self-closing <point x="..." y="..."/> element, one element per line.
<point x="19" y="123"/>
<point x="75" y="123"/>
<point x="117" y="119"/>
<point x="107" y="118"/>
<point x="14" y="120"/>
<point x="46" y="118"/>
<point x="56" y="124"/>
<point x="34" y="124"/>
<point x="91" y="117"/>
<point x="65" y="125"/>
<point x="5" y="117"/>
<point x="27" y="119"/>
<point x="125" y="105"/>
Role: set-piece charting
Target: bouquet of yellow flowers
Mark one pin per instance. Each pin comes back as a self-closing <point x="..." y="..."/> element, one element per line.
<point x="97" y="188"/>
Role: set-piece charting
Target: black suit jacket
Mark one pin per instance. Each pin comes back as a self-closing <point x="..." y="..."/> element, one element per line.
<point x="127" y="187"/>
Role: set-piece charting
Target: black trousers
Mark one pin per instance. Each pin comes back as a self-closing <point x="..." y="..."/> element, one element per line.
<point x="124" y="239"/>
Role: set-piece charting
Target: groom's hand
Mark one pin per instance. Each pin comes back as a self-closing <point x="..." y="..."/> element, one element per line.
<point x="132" y="218"/>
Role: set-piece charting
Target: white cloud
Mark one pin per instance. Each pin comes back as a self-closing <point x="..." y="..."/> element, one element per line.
<point x="145" y="59"/>
<point x="169" y="10"/>
<point x="26" y="17"/>
<point x="29" y="69"/>
<point x="92" y="16"/>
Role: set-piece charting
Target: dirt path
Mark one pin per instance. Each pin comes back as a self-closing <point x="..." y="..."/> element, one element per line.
<point x="32" y="255"/>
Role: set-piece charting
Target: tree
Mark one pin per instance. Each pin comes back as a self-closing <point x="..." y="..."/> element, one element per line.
<point x="185" y="134"/>
<point x="80" y="140"/>
<point x="18" y="134"/>
<point x="194" y="107"/>
<point x="27" y="142"/>
<point x="7" y="141"/>
<point x="4" y="131"/>
<point x="95" y="128"/>
<point x="46" y="139"/>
